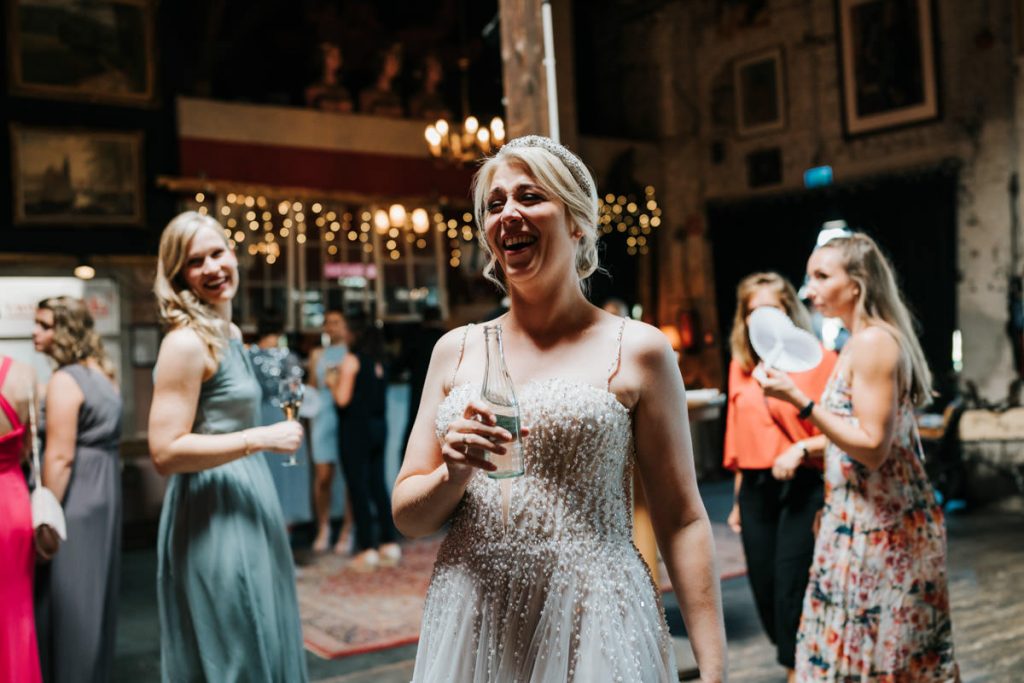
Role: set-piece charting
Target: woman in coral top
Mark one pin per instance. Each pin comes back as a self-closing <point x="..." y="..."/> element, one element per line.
<point x="776" y="458"/>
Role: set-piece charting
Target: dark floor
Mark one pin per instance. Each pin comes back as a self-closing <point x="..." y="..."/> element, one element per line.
<point x="986" y="563"/>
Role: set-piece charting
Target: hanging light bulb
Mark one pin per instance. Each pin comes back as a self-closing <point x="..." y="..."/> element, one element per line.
<point x="84" y="271"/>
<point x="396" y="214"/>
<point x="380" y="220"/>
<point x="433" y="138"/>
<point x="420" y="221"/>
<point x="497" y="130"/>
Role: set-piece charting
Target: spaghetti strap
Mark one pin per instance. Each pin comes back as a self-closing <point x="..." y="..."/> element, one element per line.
<point x="5" y="405"/>
<point x="613" y="369"/>
<point x="462" y="350"/>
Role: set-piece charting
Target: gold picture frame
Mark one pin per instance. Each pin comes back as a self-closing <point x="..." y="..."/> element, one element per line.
<point x="760" y="89"/>
<point x="887" y="64"/>
<point x="99" y="51"/>
<point x="72" y="176"/>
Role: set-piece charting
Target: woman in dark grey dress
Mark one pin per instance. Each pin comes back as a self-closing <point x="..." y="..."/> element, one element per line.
<point x="76" y="594"/>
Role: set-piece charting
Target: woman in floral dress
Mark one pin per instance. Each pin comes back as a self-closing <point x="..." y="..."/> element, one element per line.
<point x="877" y="605"/>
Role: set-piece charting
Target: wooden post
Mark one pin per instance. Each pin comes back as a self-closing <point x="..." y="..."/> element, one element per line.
<point x="522" y="58"/>
<point x="526" y="112"/>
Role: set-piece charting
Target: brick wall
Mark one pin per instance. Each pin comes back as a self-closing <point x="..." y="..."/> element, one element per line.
<point x="978" y="90"/>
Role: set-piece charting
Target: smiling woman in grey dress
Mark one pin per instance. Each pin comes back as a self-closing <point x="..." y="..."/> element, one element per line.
<point x="76" y="594"/>
<point x="225" y="579"/>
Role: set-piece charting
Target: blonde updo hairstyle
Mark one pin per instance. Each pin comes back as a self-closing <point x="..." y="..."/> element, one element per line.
<point x="179" y="305"/>
<point x="879" y="302"/>
<point x="552" y="174"/>
<point x="75" y="339"/>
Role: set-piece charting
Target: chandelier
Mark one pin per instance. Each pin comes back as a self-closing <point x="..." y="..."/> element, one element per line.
<point x="467" y="143"/>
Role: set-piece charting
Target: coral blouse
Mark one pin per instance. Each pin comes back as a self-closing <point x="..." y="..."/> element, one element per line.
<point x="759" y="429"/>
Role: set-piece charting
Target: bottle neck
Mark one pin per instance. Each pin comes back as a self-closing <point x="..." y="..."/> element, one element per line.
<point x="497" y="385"/>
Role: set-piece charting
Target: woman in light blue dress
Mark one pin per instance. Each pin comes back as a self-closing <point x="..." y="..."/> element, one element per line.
<point x="273" y="363"/>
<point x="225" y="578"/>
<point x="328" y="501"/>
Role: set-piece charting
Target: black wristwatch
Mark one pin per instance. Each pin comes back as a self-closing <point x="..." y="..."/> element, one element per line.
<point x="805" y="412"/>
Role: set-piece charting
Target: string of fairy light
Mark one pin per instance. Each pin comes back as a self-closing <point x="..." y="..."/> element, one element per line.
<point x="627" y="214"/>
<point x="259" y="224"/>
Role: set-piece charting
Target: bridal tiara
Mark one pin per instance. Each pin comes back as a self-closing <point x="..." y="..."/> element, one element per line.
<point x="572" y="162"/>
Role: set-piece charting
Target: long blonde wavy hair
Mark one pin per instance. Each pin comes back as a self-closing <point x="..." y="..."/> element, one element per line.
<point x="552" y="174"/>
<point x="179" y="306"/>
<point x="739" y="340"/>
<point x="880" y="302"/>
<point x="75" y="339"/>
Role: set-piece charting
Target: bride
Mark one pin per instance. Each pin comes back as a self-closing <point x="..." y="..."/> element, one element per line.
<point x="558" y="592"/>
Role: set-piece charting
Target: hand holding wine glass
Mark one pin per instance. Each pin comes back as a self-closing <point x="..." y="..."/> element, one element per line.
<point x="283" y="437"/>
<point x="289" y="395"/>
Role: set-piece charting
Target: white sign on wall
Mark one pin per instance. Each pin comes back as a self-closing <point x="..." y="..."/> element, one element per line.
<point x="22" y="350"/>
<point x="19" y="297"/>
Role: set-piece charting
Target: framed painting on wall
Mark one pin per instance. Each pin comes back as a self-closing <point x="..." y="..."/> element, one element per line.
<point x="760" y="93"/>
<point x="887" y="64"/>
<point x="75" y="176"/>
<point x="95" y="50"/>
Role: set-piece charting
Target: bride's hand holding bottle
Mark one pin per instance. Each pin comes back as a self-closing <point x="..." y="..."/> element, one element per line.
<point x="470" y="438"/>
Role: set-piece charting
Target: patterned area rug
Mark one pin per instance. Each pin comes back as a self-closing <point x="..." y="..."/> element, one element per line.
<point x="347" y="613"/>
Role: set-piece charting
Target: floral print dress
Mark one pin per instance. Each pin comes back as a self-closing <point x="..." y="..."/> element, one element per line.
<point x="877" y="604"/>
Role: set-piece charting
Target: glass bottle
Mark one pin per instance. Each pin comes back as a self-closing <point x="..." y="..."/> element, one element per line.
<point x="498" y="393"/>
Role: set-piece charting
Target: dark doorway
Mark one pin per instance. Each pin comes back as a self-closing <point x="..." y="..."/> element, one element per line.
<point x="911" y="215"/>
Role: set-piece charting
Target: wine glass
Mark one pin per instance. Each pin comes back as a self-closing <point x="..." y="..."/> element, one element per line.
<point x="289" y="394"/>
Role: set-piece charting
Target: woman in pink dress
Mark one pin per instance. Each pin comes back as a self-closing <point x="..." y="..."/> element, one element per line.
<point x="877" y="605"/>
<point x="19" y="658"/>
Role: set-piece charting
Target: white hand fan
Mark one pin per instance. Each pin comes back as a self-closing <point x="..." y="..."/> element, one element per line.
<point x="781" y="344"/>
<point x="46" y="510"/>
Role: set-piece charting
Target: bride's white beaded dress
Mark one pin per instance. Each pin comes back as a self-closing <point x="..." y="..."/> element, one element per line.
<point x="559" y="592"/>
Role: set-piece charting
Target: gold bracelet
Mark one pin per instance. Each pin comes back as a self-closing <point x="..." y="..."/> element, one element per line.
<point x="247" y="450"/>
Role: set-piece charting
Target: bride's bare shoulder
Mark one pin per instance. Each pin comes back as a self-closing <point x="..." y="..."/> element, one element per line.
<point x="641" y="340"/>
<point x="451" y="344"/>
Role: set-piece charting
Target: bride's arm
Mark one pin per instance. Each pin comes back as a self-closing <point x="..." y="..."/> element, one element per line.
<point x="434" y="474"/>
<point x="665" y="463"/>
<point x="427" y="488"/>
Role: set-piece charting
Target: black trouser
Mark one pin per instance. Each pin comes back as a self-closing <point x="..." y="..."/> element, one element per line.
<point x="778" y="542"/>
<point x="362" y="460"/>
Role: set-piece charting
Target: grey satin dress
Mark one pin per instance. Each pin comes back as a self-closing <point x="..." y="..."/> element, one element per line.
<point x="225" y="578"/>
<point x="76" y="593"/>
